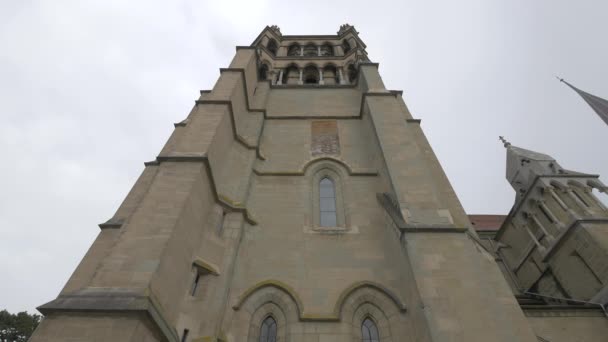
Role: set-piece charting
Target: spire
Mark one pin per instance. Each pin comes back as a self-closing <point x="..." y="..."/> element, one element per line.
<point x="598" y="104"/>
<point x="524" y="165"/>
<point x="504" y="141"/>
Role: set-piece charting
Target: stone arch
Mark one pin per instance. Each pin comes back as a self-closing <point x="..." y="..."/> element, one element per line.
<point x="327" y="49"/>
<point x="330" y="74"/>
<point x="310" y="74"/>
<point x="286" y="290"/>
<point x="266" y="310"/>
<point x="327" y="162"/>
<point x="311" y="50"/>
<point x="336" y="173"/>
<point x="356" y="289"/>
<point x="268" y="298"/>
<point x="291" y="74"/>
<point x="370" y="300"/>
<point x="294" y="49"/>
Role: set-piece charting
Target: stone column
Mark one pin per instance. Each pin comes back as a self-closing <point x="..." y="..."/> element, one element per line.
<point x="578" y="201"/>
<point x="562" y="204"/>
<point x="535" y="219"/>
<point x="319" y="50"/>
<point x="321" y="76"/>
<point x="341" y="76"/>
<point x="536" y="242"/>
<point x="552" y="217"/>
<point x="301" y="74"/>
<point x="280" y="80"/>
<point x="301" y="51"/>
<point x="273" y="77"/>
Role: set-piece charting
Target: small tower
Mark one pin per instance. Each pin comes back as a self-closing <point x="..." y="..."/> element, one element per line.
<point x="555" y="239"/>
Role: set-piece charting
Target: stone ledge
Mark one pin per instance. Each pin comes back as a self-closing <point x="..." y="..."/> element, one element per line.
<point x="112" y="224"/>
<point x="562" y="311"/>
<point x="119" y="300"/>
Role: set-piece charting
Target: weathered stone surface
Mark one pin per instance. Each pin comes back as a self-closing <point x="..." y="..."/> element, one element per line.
<point x="223" y="229"/>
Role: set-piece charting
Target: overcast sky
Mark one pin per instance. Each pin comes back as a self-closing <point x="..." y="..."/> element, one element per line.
<point x="89" y="90"/>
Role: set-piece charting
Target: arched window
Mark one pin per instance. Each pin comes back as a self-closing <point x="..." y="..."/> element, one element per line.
<point x="310" y="75"/>
<point x="327" y="203"/>
<point x="268" y="330"/>
<point x="272" y="47"/>
<point x="291" y="75"/>
<point x="294" y="50"/>
<point x="369" y="331"/>
<point x="345" y="46"/>
<point x="311" y="50"/>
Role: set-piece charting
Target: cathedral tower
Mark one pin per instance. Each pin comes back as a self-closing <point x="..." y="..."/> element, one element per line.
<point x="299" y="200"/>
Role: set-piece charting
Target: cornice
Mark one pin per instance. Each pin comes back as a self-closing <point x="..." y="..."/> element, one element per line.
<point x="118" y="300"/>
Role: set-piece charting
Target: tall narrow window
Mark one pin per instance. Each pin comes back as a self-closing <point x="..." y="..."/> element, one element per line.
<point x="268" y="330"/>
<point x="327" y="203"/>
<point x="369" y="331"/>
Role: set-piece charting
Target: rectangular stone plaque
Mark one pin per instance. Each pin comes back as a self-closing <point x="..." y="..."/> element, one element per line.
<point x="324" y="136"/>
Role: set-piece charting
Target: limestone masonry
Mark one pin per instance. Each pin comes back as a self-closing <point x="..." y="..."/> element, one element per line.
<point x="300" y="201"/>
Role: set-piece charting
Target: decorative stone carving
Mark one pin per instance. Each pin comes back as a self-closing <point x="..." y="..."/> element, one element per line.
<point x="276" y="30"/>
<point x="345" y="27"/>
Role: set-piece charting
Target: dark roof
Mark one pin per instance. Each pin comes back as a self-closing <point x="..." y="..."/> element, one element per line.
<point x="487" y="222"/>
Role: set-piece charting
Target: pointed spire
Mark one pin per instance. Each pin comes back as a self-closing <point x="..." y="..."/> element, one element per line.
<point x="504" y="141"/>
<point x="524" y="165"/>
<point x="598" y="104"/>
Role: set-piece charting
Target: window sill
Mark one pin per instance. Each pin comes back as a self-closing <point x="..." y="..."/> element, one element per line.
<point x="331" y="230"/>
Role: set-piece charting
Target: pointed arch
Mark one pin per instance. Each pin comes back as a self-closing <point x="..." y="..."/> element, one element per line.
<point x="369" y="330"/>
<point x="273" y="284"/>
<point x="268" y="329"/>
<point x="349" y="291"/>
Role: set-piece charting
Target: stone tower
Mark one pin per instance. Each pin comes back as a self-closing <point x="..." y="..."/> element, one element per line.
<point x="299" y="200"/>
